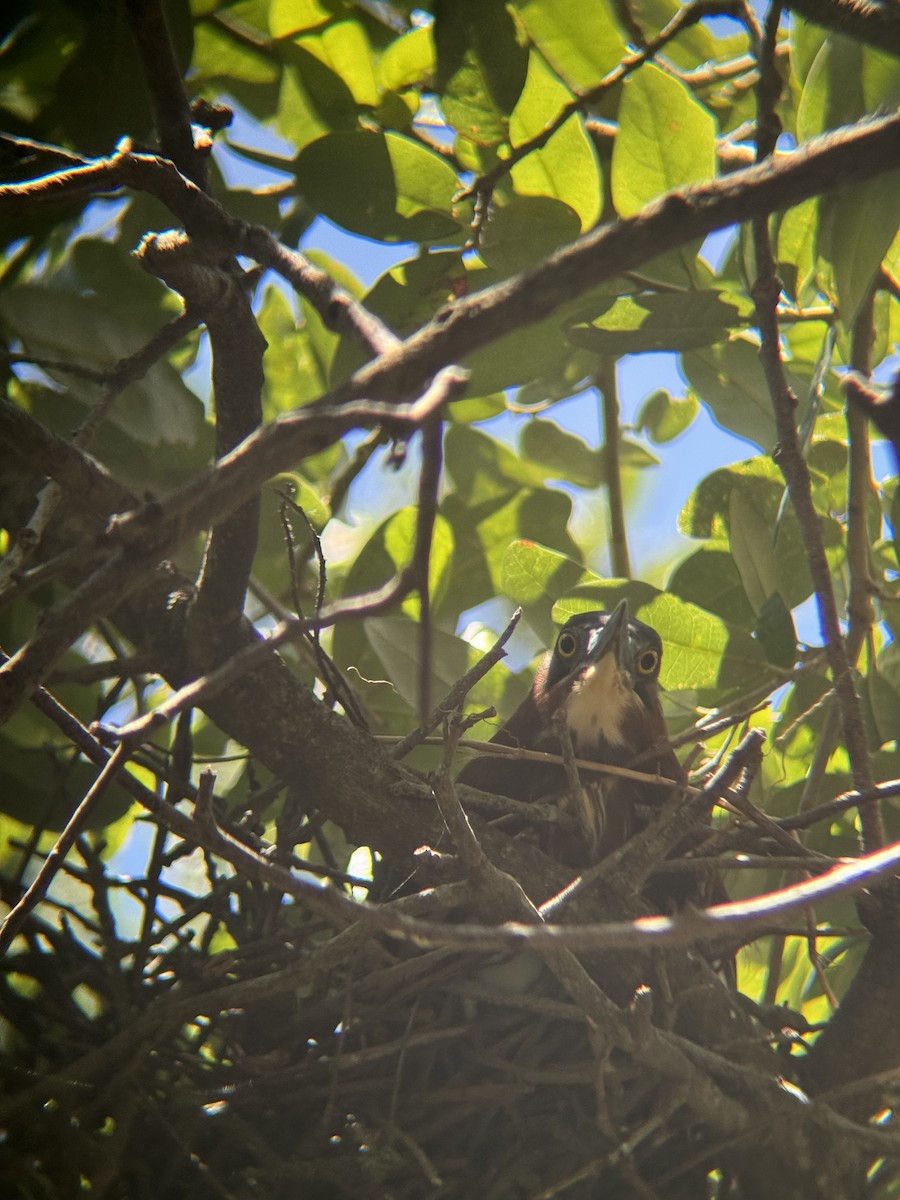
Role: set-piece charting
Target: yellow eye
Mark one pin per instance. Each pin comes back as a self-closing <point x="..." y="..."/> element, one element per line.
<point x="566" y="644"/>
<point x="647" y="662"/>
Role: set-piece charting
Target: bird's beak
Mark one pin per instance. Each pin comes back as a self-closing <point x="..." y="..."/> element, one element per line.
<point x="612" y="638"/>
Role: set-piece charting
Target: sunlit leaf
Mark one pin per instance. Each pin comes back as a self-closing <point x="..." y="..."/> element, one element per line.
<point x="665" y="139"/>
<point x="658" y="321"/>
<point x="664" y="417"/>
<point x="566" y="168"/>
<point x="580" y="43"/>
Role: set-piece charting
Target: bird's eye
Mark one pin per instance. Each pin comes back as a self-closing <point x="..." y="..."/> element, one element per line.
<point x="647" y="662"/>
<point x="566" y="644"/>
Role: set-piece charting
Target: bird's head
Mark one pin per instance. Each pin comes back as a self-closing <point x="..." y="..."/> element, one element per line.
<point x="604" y="671"/>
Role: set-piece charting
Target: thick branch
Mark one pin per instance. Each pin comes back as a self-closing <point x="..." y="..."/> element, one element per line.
<point x="875" y="22"/>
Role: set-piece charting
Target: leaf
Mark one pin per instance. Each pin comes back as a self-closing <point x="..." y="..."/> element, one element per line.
<point x="709" y="578"/>
<point x="483" y="468"/>
<point x="582" y="43"/>
<point x="408" y="60"/>
<point x="857" y="226"/>
<point x="408" y="192"/>
<point x="752" y="550"/>
<point x="97" y="330"/>
<point x="700" y="649"/>
<point x="532" y="573"/>
<point x="708" y="514"/>
<point x="405" y="297"/>
<point x="776" y="632"/>
<point x="343" y="50"/>
<point x="526" y="229"/>
<point x="650" y="321"/>
<point x="43" y="787"/>
<point x="663" y="417"/>
<point x="729" y="380"/>
<point x="564" y="455"/>
<point x="287" y="17"/>
<point x="566" y="168"/>
<point x="294" y="373"/>
<point x="481" y="68"/>
<point x="665" y="139"/>
<point x="396" y="642"/>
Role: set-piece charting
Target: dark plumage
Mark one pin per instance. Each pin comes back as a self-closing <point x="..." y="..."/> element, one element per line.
<point x="604" y="672"/>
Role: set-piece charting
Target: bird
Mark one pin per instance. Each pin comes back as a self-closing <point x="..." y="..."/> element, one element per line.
<point x="603" y="675"/>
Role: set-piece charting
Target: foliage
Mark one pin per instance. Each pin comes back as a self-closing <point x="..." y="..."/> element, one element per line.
<point x="174" y="1021"/>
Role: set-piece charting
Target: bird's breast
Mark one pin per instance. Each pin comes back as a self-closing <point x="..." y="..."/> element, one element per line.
<point x="600" y="709"/>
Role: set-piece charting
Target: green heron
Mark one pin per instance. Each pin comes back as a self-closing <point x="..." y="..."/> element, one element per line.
<point x="603" y="674"/>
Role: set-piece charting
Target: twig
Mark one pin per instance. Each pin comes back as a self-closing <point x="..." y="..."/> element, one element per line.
<point x="860" y="489"/>
<point x="854" y="799"/>
<point x="145" y="538"/>
<point x="687" y="16"/>
<point x="54" y="860"/>
<point x="788" y="456"/>
<point x="163" y="81"/>
<point x="457" y="694"/>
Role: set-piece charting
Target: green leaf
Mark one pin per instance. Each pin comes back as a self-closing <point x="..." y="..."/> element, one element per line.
<point x="218" y="55"/>
<point x="729" y="380"/>
<point x="665" y="139"/>
<point x="776" y="632"/>
<point x="651" y="321"/>
<point x="694" y="44"/>
<point x="287" y="17"/>
<point x="97" y="330"/>
<point x="483" y="468"/>
<point x="344" y="54"/>
<point x="298" y="118"/>
<point x="752" y="549"/>
<point x="532" y="573"/>
<point x="562" y="454"/>
<point x="408" y="60"/>
<point x="483" y="533"/>
<point x="857" y="226"/>
<point x="43" y="787"/>
<point x="708" y="514"/>
<point x="396" y="642"/>
<point x="295" y="371"/>
<point x="798" y="231"/>
<point x="581" y="42"/>
<point x="701" y="650"/>
<point x="663" y="417"/>
<point x="709" y="578"/>
<point x="566" y="168"/>
<point x="408" y="192"/>
<point x="525" y="230"/>
<point x="405" y="297"/>
<point x="481" y="68"/>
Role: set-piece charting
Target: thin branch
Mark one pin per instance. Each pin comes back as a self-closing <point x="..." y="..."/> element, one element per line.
<point x="847" y="155"/>
<point x="605" y="379"/>
<point x="789" y="455"/>
<point x="457" y="693"/>
<point x="687" y="16"/>
<point x="861" y="498"/>
<point x="15" y="918"/>
<point x="163" y="81"/>
<point x="129" y="553"/>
